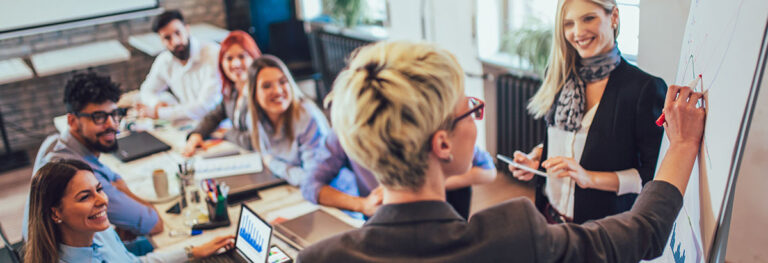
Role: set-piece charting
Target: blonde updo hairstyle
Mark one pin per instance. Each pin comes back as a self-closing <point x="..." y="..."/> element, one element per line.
<point x="389" y="102"/>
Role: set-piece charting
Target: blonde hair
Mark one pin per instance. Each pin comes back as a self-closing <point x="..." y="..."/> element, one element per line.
<point x="292" y="113"/>
<point x="562" y="61"/>
<point x="387" y="104"/>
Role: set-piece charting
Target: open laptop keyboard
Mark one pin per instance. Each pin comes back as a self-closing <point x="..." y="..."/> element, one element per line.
<point x="227" y="257"/>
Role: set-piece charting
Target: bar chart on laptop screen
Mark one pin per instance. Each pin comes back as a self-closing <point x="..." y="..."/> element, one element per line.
<point x="253" y="237"/>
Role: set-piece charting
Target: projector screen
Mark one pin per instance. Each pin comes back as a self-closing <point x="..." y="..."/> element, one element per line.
<point x="26" y="14"/>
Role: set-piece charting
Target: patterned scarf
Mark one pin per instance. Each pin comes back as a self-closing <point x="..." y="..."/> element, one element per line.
<point x="570" y="106"/>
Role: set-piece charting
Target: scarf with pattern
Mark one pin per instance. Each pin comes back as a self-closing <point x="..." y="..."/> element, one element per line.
<point x="569" y="106"/>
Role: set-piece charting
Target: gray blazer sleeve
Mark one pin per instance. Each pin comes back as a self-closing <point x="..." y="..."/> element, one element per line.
<point x="239" y="137"/>
<point x="640" y="233"/>
<point x="211" y="121"/>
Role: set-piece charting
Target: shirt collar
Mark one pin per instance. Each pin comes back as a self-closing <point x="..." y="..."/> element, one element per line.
<point x="414" y="212"/>
<point x="79" y="254"/>
<point x="78" y="148"/>
<point x="194" y="50"/>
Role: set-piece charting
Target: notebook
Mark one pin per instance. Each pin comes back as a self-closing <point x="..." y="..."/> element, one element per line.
<point x="212" y="168"/>
<point x="311" y="228"/>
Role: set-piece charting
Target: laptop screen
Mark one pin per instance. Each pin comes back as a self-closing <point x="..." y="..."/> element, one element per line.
<point x="253" y="236"/>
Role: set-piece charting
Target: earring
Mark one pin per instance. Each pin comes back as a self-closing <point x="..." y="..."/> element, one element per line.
<point x="448" y="160"/>
<point x="58" y="221"/>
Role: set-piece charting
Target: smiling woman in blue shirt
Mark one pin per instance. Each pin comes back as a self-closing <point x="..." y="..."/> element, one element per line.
<point x="286" y="129"/>
<point x="70" y="224"/>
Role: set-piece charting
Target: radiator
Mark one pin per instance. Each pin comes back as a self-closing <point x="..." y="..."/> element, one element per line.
<point x="517" y="130"/>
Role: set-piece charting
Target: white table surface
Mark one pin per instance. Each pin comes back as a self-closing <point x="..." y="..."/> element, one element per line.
<point x="285" y="201"/>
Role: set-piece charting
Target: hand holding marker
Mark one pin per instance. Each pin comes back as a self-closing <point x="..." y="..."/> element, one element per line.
<point x="692" y="85"/>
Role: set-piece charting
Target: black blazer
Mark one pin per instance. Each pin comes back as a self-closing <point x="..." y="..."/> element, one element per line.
<point x="512" y="231"/>
<point x="623" y="135"/>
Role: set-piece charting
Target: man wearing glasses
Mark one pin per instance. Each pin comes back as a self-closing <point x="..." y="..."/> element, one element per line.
<point x="93" y="118"/>
<point x="330" y="184"/>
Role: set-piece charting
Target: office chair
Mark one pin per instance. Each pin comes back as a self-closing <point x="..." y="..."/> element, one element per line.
<point x="290" y="43"/>
<point x="12" y="254"/>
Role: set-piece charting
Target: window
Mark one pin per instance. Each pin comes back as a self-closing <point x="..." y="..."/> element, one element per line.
<point x="497" y="20"/>
<point x="629" y="18"/>
<point x="373" y="12"/>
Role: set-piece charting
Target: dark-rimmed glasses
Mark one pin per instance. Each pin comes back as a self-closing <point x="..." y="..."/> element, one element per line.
<point x="100" y="117"/>
<point x="477" y="111"/>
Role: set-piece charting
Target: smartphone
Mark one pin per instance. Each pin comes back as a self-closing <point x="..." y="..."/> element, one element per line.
<point x="277" y="255"/>
<point x="519" y="166"/>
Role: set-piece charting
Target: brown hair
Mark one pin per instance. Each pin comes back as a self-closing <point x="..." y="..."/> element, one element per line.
<point x="48" y="187"/>
<point x="293" y="111"/>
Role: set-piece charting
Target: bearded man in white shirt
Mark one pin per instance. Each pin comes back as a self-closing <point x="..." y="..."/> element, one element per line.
<point x="183" y="82"/>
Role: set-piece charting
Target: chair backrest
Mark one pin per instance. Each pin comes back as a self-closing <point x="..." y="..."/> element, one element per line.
<point x="13" y="255"/>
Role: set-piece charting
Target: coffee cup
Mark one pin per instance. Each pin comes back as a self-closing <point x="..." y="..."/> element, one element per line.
<point x="160" y="180"/>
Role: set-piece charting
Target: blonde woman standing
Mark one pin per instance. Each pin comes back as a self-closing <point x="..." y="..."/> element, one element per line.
<point x="602" y="144"/>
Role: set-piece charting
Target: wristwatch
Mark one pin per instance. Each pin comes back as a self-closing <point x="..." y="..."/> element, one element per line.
<point x="188" y="249"/>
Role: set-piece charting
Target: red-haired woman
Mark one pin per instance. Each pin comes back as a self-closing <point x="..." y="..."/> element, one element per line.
<point x="237" y="53"/>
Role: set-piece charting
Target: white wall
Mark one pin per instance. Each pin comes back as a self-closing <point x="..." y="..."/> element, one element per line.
<point x="747" y="239"/>
<point x="449" y="24"/>
<point x="662" y="25"/>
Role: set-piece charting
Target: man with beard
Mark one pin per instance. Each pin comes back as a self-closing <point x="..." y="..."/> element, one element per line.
<point x="183" y="82"/>
<point x="93" y="118"/>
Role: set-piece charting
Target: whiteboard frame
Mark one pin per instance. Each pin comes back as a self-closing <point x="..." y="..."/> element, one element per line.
<point x="720" y="242"/>
<point x="83" y="22"/>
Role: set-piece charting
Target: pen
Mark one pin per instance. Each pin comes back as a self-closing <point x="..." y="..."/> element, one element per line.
<point x="660" y="121"/>
<point x="519" y="166"/>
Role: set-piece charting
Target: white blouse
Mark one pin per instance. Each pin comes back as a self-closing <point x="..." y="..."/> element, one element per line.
<point x="571" y="144"/>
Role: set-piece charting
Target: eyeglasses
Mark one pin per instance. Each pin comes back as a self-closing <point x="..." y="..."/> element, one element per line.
<point x="477" y="111"/>
<point x="100" y="117"/>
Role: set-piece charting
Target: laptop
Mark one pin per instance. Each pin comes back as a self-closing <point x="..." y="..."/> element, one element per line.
<point x="138" y="145"/>
<point x="252" y="240"/>
<point x="311" y="228"/>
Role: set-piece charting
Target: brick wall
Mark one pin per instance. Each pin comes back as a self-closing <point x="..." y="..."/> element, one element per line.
<point x="29" y="106"/>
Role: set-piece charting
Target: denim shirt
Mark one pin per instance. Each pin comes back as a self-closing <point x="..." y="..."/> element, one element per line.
<point x="293" y="160"/>
<point x="107" y="247"/>
<point x="337" y="159"/>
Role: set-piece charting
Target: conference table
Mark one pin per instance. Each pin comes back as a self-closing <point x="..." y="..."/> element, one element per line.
<point x="274" y="204"/>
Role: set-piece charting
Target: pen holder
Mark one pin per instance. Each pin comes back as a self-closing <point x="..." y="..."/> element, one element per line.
<point x="217" y="211"/>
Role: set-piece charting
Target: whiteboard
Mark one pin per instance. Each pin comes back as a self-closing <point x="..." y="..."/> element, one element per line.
<point x="25" y="14"/>
<point x="722" y="42"/>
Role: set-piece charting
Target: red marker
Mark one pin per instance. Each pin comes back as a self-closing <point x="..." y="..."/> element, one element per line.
<point x="660" y="121"/>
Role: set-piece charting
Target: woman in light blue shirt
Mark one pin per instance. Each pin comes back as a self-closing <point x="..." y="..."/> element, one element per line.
<point x="287" y="129"/>
<point x="68" y="221"/>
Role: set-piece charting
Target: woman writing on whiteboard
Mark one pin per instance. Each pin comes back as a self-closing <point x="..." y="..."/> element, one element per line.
<point x="602" y="144"/>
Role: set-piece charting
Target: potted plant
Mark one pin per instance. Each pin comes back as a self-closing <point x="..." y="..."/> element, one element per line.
<point x="347" y="12"/>
<point x="531" y="43"/>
